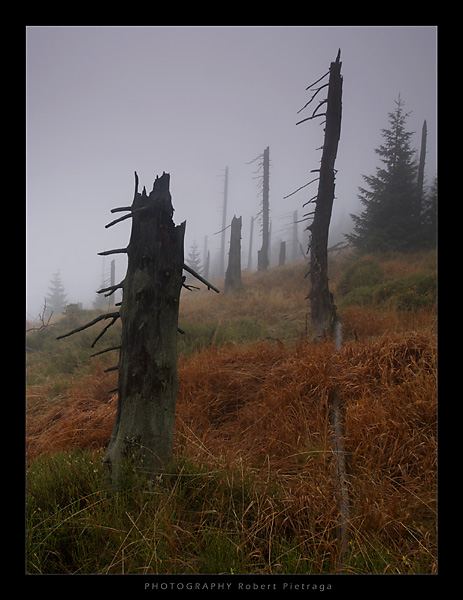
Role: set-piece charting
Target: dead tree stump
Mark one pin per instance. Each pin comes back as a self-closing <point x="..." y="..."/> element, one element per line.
<point x="143" y="430"/>
<point x="282" y="255"/>
<point x="233" y="275"/>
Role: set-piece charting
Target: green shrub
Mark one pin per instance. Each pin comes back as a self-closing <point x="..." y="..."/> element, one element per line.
<point x="363" y="284"/>
<point x="409" y="293"/>
<point x="361" y="274"/>
<point x="234" y="331"/>
<point x="361" y="296"/>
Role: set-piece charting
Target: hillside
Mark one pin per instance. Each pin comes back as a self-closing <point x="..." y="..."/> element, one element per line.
<point x="251" y="490"/>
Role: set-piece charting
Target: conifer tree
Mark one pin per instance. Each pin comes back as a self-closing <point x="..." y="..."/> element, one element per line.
<point x="194" y="261"/>
<point x="391" y="218"/>
<point x="56" y="299"/>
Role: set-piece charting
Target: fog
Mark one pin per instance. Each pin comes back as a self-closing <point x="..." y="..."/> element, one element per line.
<point x="103" y="102"/>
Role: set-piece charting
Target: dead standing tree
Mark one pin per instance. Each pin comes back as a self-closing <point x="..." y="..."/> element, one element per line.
<point x="233" y="275"/>
<point x="262" y="255"/>
<point x="224" y="222"/>
<point x="264" y="165"/>
<point x="323" y="315"/>
<point x="143" y="430"/>
<point x="322" y="308"/>
<point x="147" y="385"/>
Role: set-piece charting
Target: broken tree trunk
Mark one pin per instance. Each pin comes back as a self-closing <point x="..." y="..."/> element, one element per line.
<point x="322" y="308"/>
<point x="143" y="430"/>
<point x="233" y="274"/>
<point x="282" y="256"/>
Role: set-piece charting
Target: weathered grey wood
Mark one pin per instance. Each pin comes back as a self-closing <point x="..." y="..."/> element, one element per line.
<point x="147" y="387"/>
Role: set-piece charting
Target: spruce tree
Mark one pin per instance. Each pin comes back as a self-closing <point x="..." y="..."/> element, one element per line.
<point x="193" y="261"/>
<point x="56" y="299"/>
<point x="391" y="219"/>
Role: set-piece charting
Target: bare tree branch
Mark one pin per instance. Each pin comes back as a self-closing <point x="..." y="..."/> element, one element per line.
<point x="315" y="82"/>
<point x="114" y="319"/>
<point x="315" y="114"/>
<point x="318" y="90"/>
<point x="224" y="229"/>
<point x="129" y="216"/>
<point x="42" y="319"/>
<point x="121" y="209"/>
<point x="311" y="201"/>
<point x="112" y="315"/>
<point x="192" y="272"/>
<point x="106" y="350"/>
<point x="301" y="188"/>
<point x="132" y="211"/>
<point x="115" y="251"/>
<point x="111" y="289"/>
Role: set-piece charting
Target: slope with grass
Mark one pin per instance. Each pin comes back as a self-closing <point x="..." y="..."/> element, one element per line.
<point x="251" y="489"/>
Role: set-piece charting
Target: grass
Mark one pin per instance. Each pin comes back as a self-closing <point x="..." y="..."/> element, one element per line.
<point x="251" y="488"/>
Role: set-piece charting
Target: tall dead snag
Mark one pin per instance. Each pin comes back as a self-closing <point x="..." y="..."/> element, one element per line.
<point x="323" y="316"/>
<point x="322" y="308"/>
<point x="233" y="274"/>
<point x="147" y="387"/>
<point x="224" y="222"/>
<point x="262" y="254"/>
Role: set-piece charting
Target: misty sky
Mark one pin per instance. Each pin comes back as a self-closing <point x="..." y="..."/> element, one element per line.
<point x="103" y="102"/>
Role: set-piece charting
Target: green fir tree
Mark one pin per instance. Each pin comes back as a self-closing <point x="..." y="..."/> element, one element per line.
<point x="391" y="219"/>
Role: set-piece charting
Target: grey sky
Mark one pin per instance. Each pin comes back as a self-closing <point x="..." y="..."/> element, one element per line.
<point x="103" y="102"/>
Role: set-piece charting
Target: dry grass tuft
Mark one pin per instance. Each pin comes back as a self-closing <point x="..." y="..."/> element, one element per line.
<point x="365" y="324"/>
<point x="82" y="416"/>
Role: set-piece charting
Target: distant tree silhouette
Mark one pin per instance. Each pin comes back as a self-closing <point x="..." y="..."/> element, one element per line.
<point x="193" y="260"/>
<point x="56" y="299"/>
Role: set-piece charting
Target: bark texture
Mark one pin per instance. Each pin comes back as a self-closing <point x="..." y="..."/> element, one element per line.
<point x="147" y="387"/>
